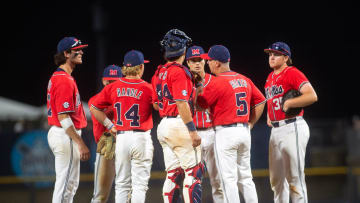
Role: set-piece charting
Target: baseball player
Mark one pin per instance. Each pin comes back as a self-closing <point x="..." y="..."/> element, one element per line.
<point x="131" y="102"/>
<point x="203" y="124"/>
<point x="66" y="117"/>
<point x="289" y="135"/>
<point x="235" y="104"/>
<point x="177" y="132"/>
<point x="104" y="169"/>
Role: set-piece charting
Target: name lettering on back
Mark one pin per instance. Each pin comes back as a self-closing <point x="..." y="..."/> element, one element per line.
<point x="129" y="92"/>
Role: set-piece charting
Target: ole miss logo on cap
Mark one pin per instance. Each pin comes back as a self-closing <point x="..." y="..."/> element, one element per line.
<point x="195" y="52"/>
<point x="113" y="72"/>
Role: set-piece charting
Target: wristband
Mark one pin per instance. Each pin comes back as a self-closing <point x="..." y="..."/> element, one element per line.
<point x="191" y="126"/>
<point x="108" y="124"/>
<point x="66" y="123"/>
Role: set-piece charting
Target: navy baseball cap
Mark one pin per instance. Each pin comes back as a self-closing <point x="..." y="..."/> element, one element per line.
<point x="194" y="51"/>
<point x="134" y="58"/>
<point x="217" y="52"/>
<point x="279" y="47"/>
<point x="69" y="43"/>
<point x="112" y="72"/>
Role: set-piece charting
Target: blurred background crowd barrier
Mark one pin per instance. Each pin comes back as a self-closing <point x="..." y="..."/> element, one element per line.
<point x="27" y="163"/>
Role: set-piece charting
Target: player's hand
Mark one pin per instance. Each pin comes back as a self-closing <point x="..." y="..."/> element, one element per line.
<point x="195" y="138"/>
<point x="268" y="122"/>
<point x="84" y="152"/>
<point x="285" y="106"/>
<point x="251" y="126"/>
<point x="199" y="90"/>
<point x="113" y="131"/>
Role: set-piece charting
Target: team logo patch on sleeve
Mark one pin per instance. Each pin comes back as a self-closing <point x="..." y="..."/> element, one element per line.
<point x="184" y="92"/>
<point x="66" y="105"/>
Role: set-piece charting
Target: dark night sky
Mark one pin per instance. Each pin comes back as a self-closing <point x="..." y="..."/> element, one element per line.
<point x="319" y="35"/>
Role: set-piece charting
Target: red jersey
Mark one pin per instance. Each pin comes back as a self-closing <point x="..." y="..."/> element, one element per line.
<point x="230" y="97"/>
<point x="63" y="97"/>
<point x="99" y="128"/>
<point x="277" y="85"/>
<point x="202" y="118"/>
<point x="131" y="103"/>
<point x="156" y="85"/>
<point x="173" y="84"/>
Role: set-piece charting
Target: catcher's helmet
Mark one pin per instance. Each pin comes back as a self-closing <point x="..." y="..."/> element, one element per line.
<point x="174" y="43"/>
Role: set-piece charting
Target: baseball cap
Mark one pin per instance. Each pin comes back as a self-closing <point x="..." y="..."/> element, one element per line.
<point x="194" y="51"/>
<point x="69" y="43"/>
<point x="279" y="47"/>
<point x="217" y="52"/>
<point x="112" y="72"/>
<point x="134" y="58"/>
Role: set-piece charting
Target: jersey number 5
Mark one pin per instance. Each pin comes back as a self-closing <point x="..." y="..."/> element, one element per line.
<point x="131" y="114"/>
<point x="241" y="104"/>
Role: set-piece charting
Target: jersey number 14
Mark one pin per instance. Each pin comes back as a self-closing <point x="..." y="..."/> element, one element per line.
<point x="131" y="114"/>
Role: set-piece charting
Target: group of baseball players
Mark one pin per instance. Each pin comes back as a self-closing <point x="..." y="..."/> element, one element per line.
<point x="206" y="122"/>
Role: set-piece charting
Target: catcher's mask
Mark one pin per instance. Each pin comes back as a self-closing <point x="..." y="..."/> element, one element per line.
<point x="174" y="43"/>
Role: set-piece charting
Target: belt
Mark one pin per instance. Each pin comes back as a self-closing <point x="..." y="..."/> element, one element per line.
<point x="233" y="125"/>
<point x="202" y="129"/>
<point x="135" y="130"/>
<point x="277" y="124"/>
<point x="172" y="116"/>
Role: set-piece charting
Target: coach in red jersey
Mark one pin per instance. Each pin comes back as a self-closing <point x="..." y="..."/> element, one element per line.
<point x="131" y="101"/>
<point x="66" y="117"/>
<point x="177" y="132"/>
<point x="203" y="123"/>
<point x="104" y="169"/>
<point x="289" y="134"/>
<point x="235" y="105"/>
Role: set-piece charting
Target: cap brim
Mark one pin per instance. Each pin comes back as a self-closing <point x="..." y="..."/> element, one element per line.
<point x="276" y="51"/>
<point x="205" y="56"/>
<point x="110" y="78"/>
<point x="191" y="57"/>
<point x="273" y="50"/>
<point x="81" y="46"/>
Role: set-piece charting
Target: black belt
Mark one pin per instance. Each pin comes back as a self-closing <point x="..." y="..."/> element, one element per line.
<point x="135" y="130"/>
<point x="202" y="129"/>
<point x="276" y="124"/>
<point x="171" y="116"/>
<point x="229" y="125"/>
<point x="234" y="125"/>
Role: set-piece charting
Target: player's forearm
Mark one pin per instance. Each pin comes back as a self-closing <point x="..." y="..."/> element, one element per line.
<point x="184" y="111"/>
<point x="256" y="113"/>
<point x="101" y="117"/>
<point x="70" y="128"/>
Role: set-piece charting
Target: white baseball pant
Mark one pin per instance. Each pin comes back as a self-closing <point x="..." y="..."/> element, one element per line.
<point x="133" y="159"/>
<point x="179" y="153"/>
<point x="232" y="151"/>
<point x="208" y="156"/>
<point x="67" y="164"/>
<point x="103" y="178"/>
<point x="287" y="148"/>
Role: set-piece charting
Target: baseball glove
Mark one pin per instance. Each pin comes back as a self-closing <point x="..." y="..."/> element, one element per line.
<point x="106" y="146"/>
<point x="289" y="95"/>
<point x="196" y="78"/>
